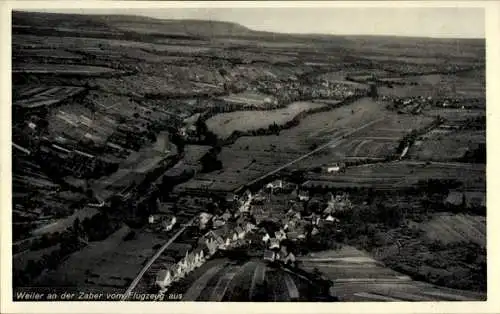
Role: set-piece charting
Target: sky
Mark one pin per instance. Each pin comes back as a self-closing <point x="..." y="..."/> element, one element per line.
<point x="420" y="22"/>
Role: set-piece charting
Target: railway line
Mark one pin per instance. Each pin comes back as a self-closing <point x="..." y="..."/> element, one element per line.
<point x="152" y="260"/>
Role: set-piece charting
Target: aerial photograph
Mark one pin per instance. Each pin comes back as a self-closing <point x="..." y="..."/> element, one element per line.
<point x="249" y="154"/>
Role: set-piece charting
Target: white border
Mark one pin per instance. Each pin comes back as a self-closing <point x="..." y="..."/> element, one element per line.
<point x="492" y="28"/>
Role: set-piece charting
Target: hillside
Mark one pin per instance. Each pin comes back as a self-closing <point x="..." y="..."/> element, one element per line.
<point x="135" y="24"/>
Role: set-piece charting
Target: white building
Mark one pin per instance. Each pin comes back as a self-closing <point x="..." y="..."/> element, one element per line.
<point x="266" y="238"/>
<point x="240" y="232"/>
<point x="278" y="184"/>
<point x="274" y="244"/>
<point x="211" y="245"/>
<point x="333" y="169"/>
<point x="164" y="278"/>
<point x="290" y="258"/>
<point x="331" y="218"/>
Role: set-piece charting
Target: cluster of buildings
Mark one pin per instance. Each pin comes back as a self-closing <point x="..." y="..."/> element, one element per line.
<point x="266" y="222"/>
<point x="415" y="105"/>
<point x="289" y="91"/>
<point x="166" y="277"/>
<point x="467" y="199"/>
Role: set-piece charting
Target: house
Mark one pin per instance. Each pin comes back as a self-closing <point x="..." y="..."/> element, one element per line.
<point x="259" y="198"/>
<point x="217" y="223"/>
<point x="314" y="231"/>
<point x="173" y="221"/>
<point x="240" y="232"/>
<point x="183" y="263"/>
<point x="231" y="197"/>
<point x="315" y="220"/>
<point x="280" y="235"/>
<point x="289" y="258"/>
<point x="266" y="238"/>
<point x="475" y="199"/>
<point x="205" y="218"/>
<point x="333" y="169"/>
<point x="298" y="215"/>
<point x="199" y="258"/>
<point x="292" y="235"/>
<point x="215" y="236"/>
<point x="226" y="216"/>
<point x="164" y="278"/>
<point x="331" y="218"/>
<point x="291" y="212"/>
<point x="151" y="219"/>
<point x="455" y="198"/>
<point x="179" y="272"/>
<point x="249" y="227"/>
<point x="224" y="244"/>
<point x="285" y="227"/>
<point x="189" y="262"/>
<point x="274" y="244"/>
<point x="170" y="225"/>
<point x="303" y="196"/>
<point x="214" y="241"/>
<point x="212" y="246"/>
<point x="269" y="256"/>
<point x="275" y="185"/>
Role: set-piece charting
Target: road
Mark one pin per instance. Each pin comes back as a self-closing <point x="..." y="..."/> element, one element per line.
<point x="332" y="143"/>
<point x="154" y="258"/>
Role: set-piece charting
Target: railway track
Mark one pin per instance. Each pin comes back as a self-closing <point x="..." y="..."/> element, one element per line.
<point x="154" y="258"/>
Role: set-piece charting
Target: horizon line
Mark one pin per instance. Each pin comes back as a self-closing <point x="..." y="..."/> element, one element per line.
<point x="270" y="32"/>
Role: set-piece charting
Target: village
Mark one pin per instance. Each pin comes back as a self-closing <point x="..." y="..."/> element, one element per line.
<point x="271" y="223"/>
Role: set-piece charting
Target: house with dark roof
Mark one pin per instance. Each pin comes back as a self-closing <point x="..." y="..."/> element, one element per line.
<point x="455" y="198"/>
<point x="475" y="199"/>
<point x="269" y="256"/>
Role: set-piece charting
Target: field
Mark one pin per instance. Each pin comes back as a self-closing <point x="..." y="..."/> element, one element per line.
<point x="369" y="131"/>
<point x="20" y="260"/>
<point x="68" y="42"/>
<point x="46" y="53"/>
<point x="226" y="280"/>
<point x="402" y="174"/>
<point x="107" y="265"/>
<point x="60" y="69"/>
<point x="78" y="122"/>
<point x="63" y="224"/>
<point x="449" y="228"/>
<point x="464" y="85"/>
<point x="142" y="84"/>
<point x="247" y="97"/>
<point x="358" y="277"/>
<point x="442" y="145"/>
<point x="224" y="124"/>
<point x="43" y="96"/>
<point x="455" y="115"/>
<point x="356" y="73"/>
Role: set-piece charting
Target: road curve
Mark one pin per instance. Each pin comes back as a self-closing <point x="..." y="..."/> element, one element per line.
<point x="153" y="259"/>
